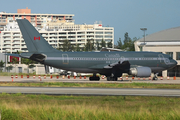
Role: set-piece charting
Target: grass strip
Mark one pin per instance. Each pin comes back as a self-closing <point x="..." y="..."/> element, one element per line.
<point x="46" y="107"/>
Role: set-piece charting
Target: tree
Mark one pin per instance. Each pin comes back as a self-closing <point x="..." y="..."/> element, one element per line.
<point x="97" y="44"/>
<point x="127" y="39"/>
<point x="89" y="46"/>
<point x="92" y="45"/>
<point x="103" y="43"/>
<point x="128" y="43"/>
<point x="1" y="65"/>
<point x="14" y="61"/>
<point x="77" y="47"/>
<point x="132" y="48"/>
<point x="66" y="46"/>
<point x="109" y="44"/>
<point x="72" y="48"/>
<point x="119" y="44"/>
<point x="9" y="68"/>
<point x="29" y="63"/>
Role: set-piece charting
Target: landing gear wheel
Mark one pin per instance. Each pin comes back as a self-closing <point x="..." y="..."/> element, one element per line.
<point x="114" y="78"/>
<point x="108" y="78"/>
<point x="111" y="78"/>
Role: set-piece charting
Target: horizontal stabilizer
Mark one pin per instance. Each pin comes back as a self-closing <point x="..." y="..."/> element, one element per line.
<point x="110" y="49"/>
<point x="32" y="56"/>
<point x="15" y="55"/>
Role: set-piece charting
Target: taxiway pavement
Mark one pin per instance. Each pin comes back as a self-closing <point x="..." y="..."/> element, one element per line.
<point x="91" y="91"/>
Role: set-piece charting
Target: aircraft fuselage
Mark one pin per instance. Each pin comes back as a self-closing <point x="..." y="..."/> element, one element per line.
<point x="95" y="62"/>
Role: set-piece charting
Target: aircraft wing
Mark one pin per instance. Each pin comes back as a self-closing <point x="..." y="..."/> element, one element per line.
<point x="99" y="66"/>
<point x="110" y="49"/>
<point x="24" y="55"/>
<point x="124" y="64"/>
<point x="122" y="67"/>
<point x="117" y="65"/>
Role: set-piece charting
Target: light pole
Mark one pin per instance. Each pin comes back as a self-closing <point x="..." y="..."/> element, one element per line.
<point x="144" y="29"/>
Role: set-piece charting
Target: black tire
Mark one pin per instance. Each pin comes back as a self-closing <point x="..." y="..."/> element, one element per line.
<point x="111" y="78"/>
<point x="115" y="78"/>
<point x="108" y="78"/>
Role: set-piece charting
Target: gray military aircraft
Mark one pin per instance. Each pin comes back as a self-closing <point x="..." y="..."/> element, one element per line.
<point x="111" y="64"/>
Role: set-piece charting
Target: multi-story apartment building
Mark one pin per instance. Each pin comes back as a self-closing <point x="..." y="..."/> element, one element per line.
<point x="55" y="28"/>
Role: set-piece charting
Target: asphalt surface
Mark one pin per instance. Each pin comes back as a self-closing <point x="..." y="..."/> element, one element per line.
<point x="91" y="91"/>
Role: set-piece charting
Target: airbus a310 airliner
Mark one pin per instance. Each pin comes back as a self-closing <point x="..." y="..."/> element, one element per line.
<point x="111" y="64"/>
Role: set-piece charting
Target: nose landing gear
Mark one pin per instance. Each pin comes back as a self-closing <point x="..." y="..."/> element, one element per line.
<point x="155" y="76"/>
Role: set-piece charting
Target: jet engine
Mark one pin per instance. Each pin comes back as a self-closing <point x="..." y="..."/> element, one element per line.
<point x="140" y="71"/>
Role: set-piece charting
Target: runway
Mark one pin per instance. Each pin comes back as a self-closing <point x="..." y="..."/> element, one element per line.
<point x="91" y="91"/>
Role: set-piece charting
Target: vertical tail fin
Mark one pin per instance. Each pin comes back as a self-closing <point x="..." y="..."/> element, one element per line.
<point x="33" y="39"/>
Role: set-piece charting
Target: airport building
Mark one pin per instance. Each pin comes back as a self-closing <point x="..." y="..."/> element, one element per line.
<point x="55" y="28"/>
<point x="167" y="42"/>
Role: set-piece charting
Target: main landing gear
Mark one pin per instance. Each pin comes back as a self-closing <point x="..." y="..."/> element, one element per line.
<point x="94" y="77"/>
<point x="109" y="78"/>
<point x="112" y="78"/>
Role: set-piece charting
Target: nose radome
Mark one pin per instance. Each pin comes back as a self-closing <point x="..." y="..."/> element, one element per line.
<point x="174" y="63"/>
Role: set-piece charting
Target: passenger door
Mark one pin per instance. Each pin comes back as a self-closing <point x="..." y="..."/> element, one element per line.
<point x="65" y="59"/>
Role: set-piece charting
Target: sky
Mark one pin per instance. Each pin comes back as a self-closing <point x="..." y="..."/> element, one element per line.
<point x="124" y="15"/>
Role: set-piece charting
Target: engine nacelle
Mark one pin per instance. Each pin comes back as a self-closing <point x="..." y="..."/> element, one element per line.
<point x="141" y="71"/>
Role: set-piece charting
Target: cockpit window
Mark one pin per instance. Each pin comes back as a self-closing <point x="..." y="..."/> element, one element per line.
<point x="170" y="58"/>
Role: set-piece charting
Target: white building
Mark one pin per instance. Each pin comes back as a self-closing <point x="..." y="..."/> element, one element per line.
<point x="55" y="28"/>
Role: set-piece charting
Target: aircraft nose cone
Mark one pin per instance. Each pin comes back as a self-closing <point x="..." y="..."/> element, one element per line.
<point x="174" y="62"/>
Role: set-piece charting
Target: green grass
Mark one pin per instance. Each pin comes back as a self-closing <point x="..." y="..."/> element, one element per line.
<point x="101" y="85"/>
<point x="45" y="107"/>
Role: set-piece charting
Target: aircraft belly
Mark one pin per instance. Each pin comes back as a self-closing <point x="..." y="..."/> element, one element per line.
<point x="76" y="66"/>
<point x="157" y="69"/>
<point x="82" y="70"/>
